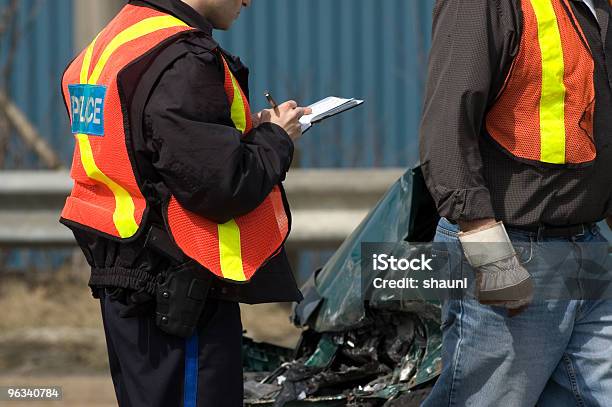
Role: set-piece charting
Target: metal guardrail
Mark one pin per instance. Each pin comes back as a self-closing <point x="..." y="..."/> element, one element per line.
<point x="326" y="205"/>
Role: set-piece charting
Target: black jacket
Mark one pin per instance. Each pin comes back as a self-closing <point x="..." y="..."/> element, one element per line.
<point x="184" y="144"/>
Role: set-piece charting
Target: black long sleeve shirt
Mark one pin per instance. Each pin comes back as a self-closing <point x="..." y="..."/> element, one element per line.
<point x="191" y="150"/>
<point x="474" y="44"/>
<point x="206" y="163"/>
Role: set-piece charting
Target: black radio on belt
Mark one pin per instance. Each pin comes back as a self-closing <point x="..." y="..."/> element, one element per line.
<point x="180" y="300"/>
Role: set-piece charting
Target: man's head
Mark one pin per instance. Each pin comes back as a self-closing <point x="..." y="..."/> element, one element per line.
<point x="220" y="13"/>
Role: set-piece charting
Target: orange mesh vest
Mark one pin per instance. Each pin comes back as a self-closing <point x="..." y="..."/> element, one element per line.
<point x="545" y="111"/>
<point x="107" y="198"/>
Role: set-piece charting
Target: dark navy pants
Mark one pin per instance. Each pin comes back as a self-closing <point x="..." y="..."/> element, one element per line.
<point x="150" y="368"/>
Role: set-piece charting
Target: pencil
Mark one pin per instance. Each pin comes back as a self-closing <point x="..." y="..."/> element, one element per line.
<point x="271" y="100"/>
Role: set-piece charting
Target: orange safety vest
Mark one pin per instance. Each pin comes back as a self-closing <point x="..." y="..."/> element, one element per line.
<point x="544" y="112"/>
<point x="107" y="197"/>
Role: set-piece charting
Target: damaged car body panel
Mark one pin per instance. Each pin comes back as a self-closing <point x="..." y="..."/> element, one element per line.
<point x="361" y="348"/>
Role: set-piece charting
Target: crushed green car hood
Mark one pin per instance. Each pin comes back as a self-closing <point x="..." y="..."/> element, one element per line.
<point x="354" y="352"/>
<point x="406" y="213"/>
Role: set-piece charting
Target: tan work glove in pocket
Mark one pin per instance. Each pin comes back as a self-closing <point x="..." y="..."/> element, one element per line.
<point x="500" y="278"/>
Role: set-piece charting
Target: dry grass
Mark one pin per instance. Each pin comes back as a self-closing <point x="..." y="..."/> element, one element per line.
<point x="77" y="391"/>
<point x="51" y="334"/>
<point x="59" y="299"/>
<point x="51" y="323"/>
<point x="270" y="323"/>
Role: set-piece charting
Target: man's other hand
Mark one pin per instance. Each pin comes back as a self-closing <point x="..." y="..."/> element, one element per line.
<point x="501" y="279"/>
<point x="287" y="115"/>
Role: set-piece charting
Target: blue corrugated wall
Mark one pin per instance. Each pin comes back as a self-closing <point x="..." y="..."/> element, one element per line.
<point x="299" y="49"/>
<point x="44" y="47"/>
<point x="370" y="49"/>
<point x="41" y="31"/>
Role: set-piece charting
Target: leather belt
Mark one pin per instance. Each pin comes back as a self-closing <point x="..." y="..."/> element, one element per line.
<point x="559" y="231"/>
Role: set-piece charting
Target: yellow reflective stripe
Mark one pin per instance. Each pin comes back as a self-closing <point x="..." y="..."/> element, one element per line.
<point x="230" y="253"/>
<point x="87" y="61"/>
<point x="124" y="214"/>
<point x="140" y="29"/>
<point x="238" y="111"/>
<point x="552" y="102"/>
<point x="123" y="217"/>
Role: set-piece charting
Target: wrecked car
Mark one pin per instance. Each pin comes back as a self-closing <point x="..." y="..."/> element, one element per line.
<point x="358" y="348"/>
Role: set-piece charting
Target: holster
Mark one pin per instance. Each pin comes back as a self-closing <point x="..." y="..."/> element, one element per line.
<point x="180" y="300"/>
<point x="181" y="292"/>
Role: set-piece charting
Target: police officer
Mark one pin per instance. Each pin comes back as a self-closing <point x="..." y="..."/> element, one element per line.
<point x="177" y="198"/>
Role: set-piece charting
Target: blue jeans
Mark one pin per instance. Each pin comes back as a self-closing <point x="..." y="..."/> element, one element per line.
<point x="558" y="352"/>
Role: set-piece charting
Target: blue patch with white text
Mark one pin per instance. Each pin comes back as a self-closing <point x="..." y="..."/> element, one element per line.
<point x="87" y="109"/>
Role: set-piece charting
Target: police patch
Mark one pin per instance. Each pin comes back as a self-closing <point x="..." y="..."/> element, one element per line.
<point x="87" y="109"/>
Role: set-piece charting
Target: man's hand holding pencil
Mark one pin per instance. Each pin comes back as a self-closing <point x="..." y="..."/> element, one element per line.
<point x="286" y="115"/>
